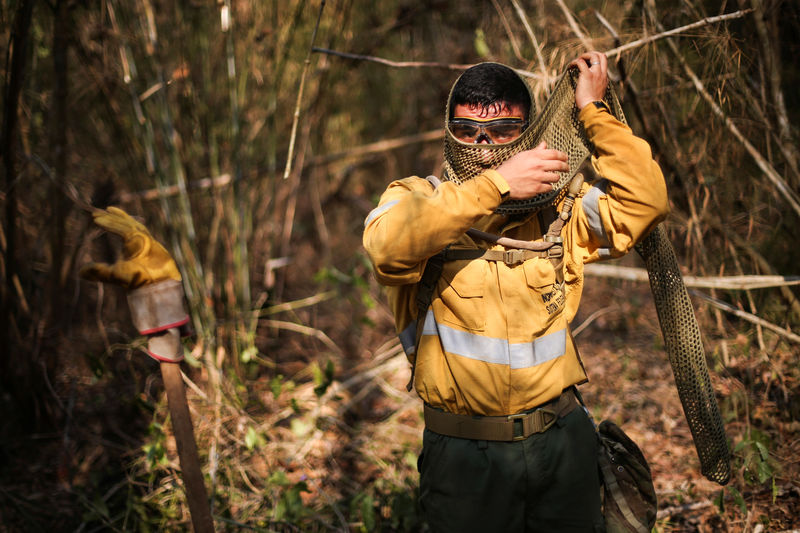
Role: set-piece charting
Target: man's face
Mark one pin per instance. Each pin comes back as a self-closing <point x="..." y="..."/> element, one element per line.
<point x="496" y="124"/>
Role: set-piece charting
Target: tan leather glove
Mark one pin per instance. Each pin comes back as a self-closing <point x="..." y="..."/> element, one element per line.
<point x="148" y="272"/>
<point x="145" y="261"/>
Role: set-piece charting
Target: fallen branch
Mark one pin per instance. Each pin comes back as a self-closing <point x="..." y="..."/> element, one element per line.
<point x="725" y="282"/>
<point x="679" y="509"/>
<point x="721" y="282"/>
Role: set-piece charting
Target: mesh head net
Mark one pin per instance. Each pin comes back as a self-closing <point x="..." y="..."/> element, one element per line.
<point x="559" y="126"/>
<point x="686" y="355"/>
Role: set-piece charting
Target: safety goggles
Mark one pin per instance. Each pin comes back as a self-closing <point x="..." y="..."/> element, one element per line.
<point x="494" y="131"/>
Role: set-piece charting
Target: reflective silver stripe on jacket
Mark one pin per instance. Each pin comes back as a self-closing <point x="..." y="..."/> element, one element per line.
<point x="591" y="206"/>
<point x="378" y="211"/>
<point x="488" y="349"/>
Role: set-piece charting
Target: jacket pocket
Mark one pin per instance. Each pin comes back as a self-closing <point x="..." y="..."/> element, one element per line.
<point x="461" y="290"/>
<point x="540" y="276"/>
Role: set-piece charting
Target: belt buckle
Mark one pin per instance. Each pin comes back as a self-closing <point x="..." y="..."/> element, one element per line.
<point x="547" y="424"/>
<point x="513" y="419"/>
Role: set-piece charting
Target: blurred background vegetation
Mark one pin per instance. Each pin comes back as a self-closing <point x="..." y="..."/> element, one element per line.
<point x="190" y="115"/>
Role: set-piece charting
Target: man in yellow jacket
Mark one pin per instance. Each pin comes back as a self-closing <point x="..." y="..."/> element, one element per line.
<point x="504" y="448"/>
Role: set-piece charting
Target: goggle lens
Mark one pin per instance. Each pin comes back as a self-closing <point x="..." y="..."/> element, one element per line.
<point x="498" y="131"/>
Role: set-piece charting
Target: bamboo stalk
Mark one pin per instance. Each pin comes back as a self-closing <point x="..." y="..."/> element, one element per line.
<point x="771" y="63"/>
<point x="306" y="64"/>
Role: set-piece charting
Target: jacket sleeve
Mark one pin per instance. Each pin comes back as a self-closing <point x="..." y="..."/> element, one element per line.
<point x="619" y="210"/>
<point x="414" y="222"/>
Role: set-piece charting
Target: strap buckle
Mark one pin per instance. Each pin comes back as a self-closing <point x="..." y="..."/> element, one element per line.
<point x="555" y="252"/>
<point x="513" y="257"/>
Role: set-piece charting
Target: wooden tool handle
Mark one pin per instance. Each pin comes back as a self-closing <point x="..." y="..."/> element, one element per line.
<point x="187" y="449"/>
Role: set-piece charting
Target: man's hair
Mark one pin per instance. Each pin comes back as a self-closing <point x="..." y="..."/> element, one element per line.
<point x="489" y="83"/>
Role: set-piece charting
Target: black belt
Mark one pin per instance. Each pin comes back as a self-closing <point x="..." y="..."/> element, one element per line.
<point x="501" y="428"/>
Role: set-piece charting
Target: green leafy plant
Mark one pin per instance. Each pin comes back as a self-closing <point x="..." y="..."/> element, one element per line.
<point x="289" y="506"/>
<point x="758" y="466"/>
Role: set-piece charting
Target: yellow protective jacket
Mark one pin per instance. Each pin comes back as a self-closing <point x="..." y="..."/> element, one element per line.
<point x="495" y="339"/>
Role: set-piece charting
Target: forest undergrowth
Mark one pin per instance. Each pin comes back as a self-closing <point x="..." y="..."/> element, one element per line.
<point x="191" y="117"/>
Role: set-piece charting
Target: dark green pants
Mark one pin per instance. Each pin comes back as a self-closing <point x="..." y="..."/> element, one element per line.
<point x="549" y="482"/>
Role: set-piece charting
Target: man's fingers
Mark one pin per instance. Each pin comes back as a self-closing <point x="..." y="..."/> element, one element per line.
<point x="582" y="65"/>
<point x="551" y="154"/>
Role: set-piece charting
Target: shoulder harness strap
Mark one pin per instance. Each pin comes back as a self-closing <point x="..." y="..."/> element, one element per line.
<point x="551" y="247"/>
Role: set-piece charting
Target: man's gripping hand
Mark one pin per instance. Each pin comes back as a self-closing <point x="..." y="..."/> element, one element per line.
<point x="533" y="171"/>
<point x="144" y="262"/>
<point x="152" y="280"/>
<point x="593" y="78"/>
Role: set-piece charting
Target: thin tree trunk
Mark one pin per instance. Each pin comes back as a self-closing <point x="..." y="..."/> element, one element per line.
<point x="58" y="145"/>
<point x="13" y="87"/>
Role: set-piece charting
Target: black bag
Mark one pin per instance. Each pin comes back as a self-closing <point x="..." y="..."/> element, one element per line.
<point x="629" y="498"/>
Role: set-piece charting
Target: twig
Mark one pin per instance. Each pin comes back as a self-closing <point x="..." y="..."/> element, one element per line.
<point x="305" y="330"/>
<point x="594" y="316"/>
<point x="523" y="17"/>
<point x="299" y="101"/>
<point x="416" y="64"/>
<point x="379" y="146"/>
<point x="509" y="33"/>
<point x="297" y="304"/>
<point x="703" y="22"/>
<point x="748" y="316"/>
<point x="172" y="190"/>
<point x="390" y="63"/>
<point x="574" y="25"/>
<point x="192" y="385"/>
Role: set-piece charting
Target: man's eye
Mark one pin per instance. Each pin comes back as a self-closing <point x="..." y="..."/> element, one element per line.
<point x="464" y="131"/>
<point x="505" y="132"/>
